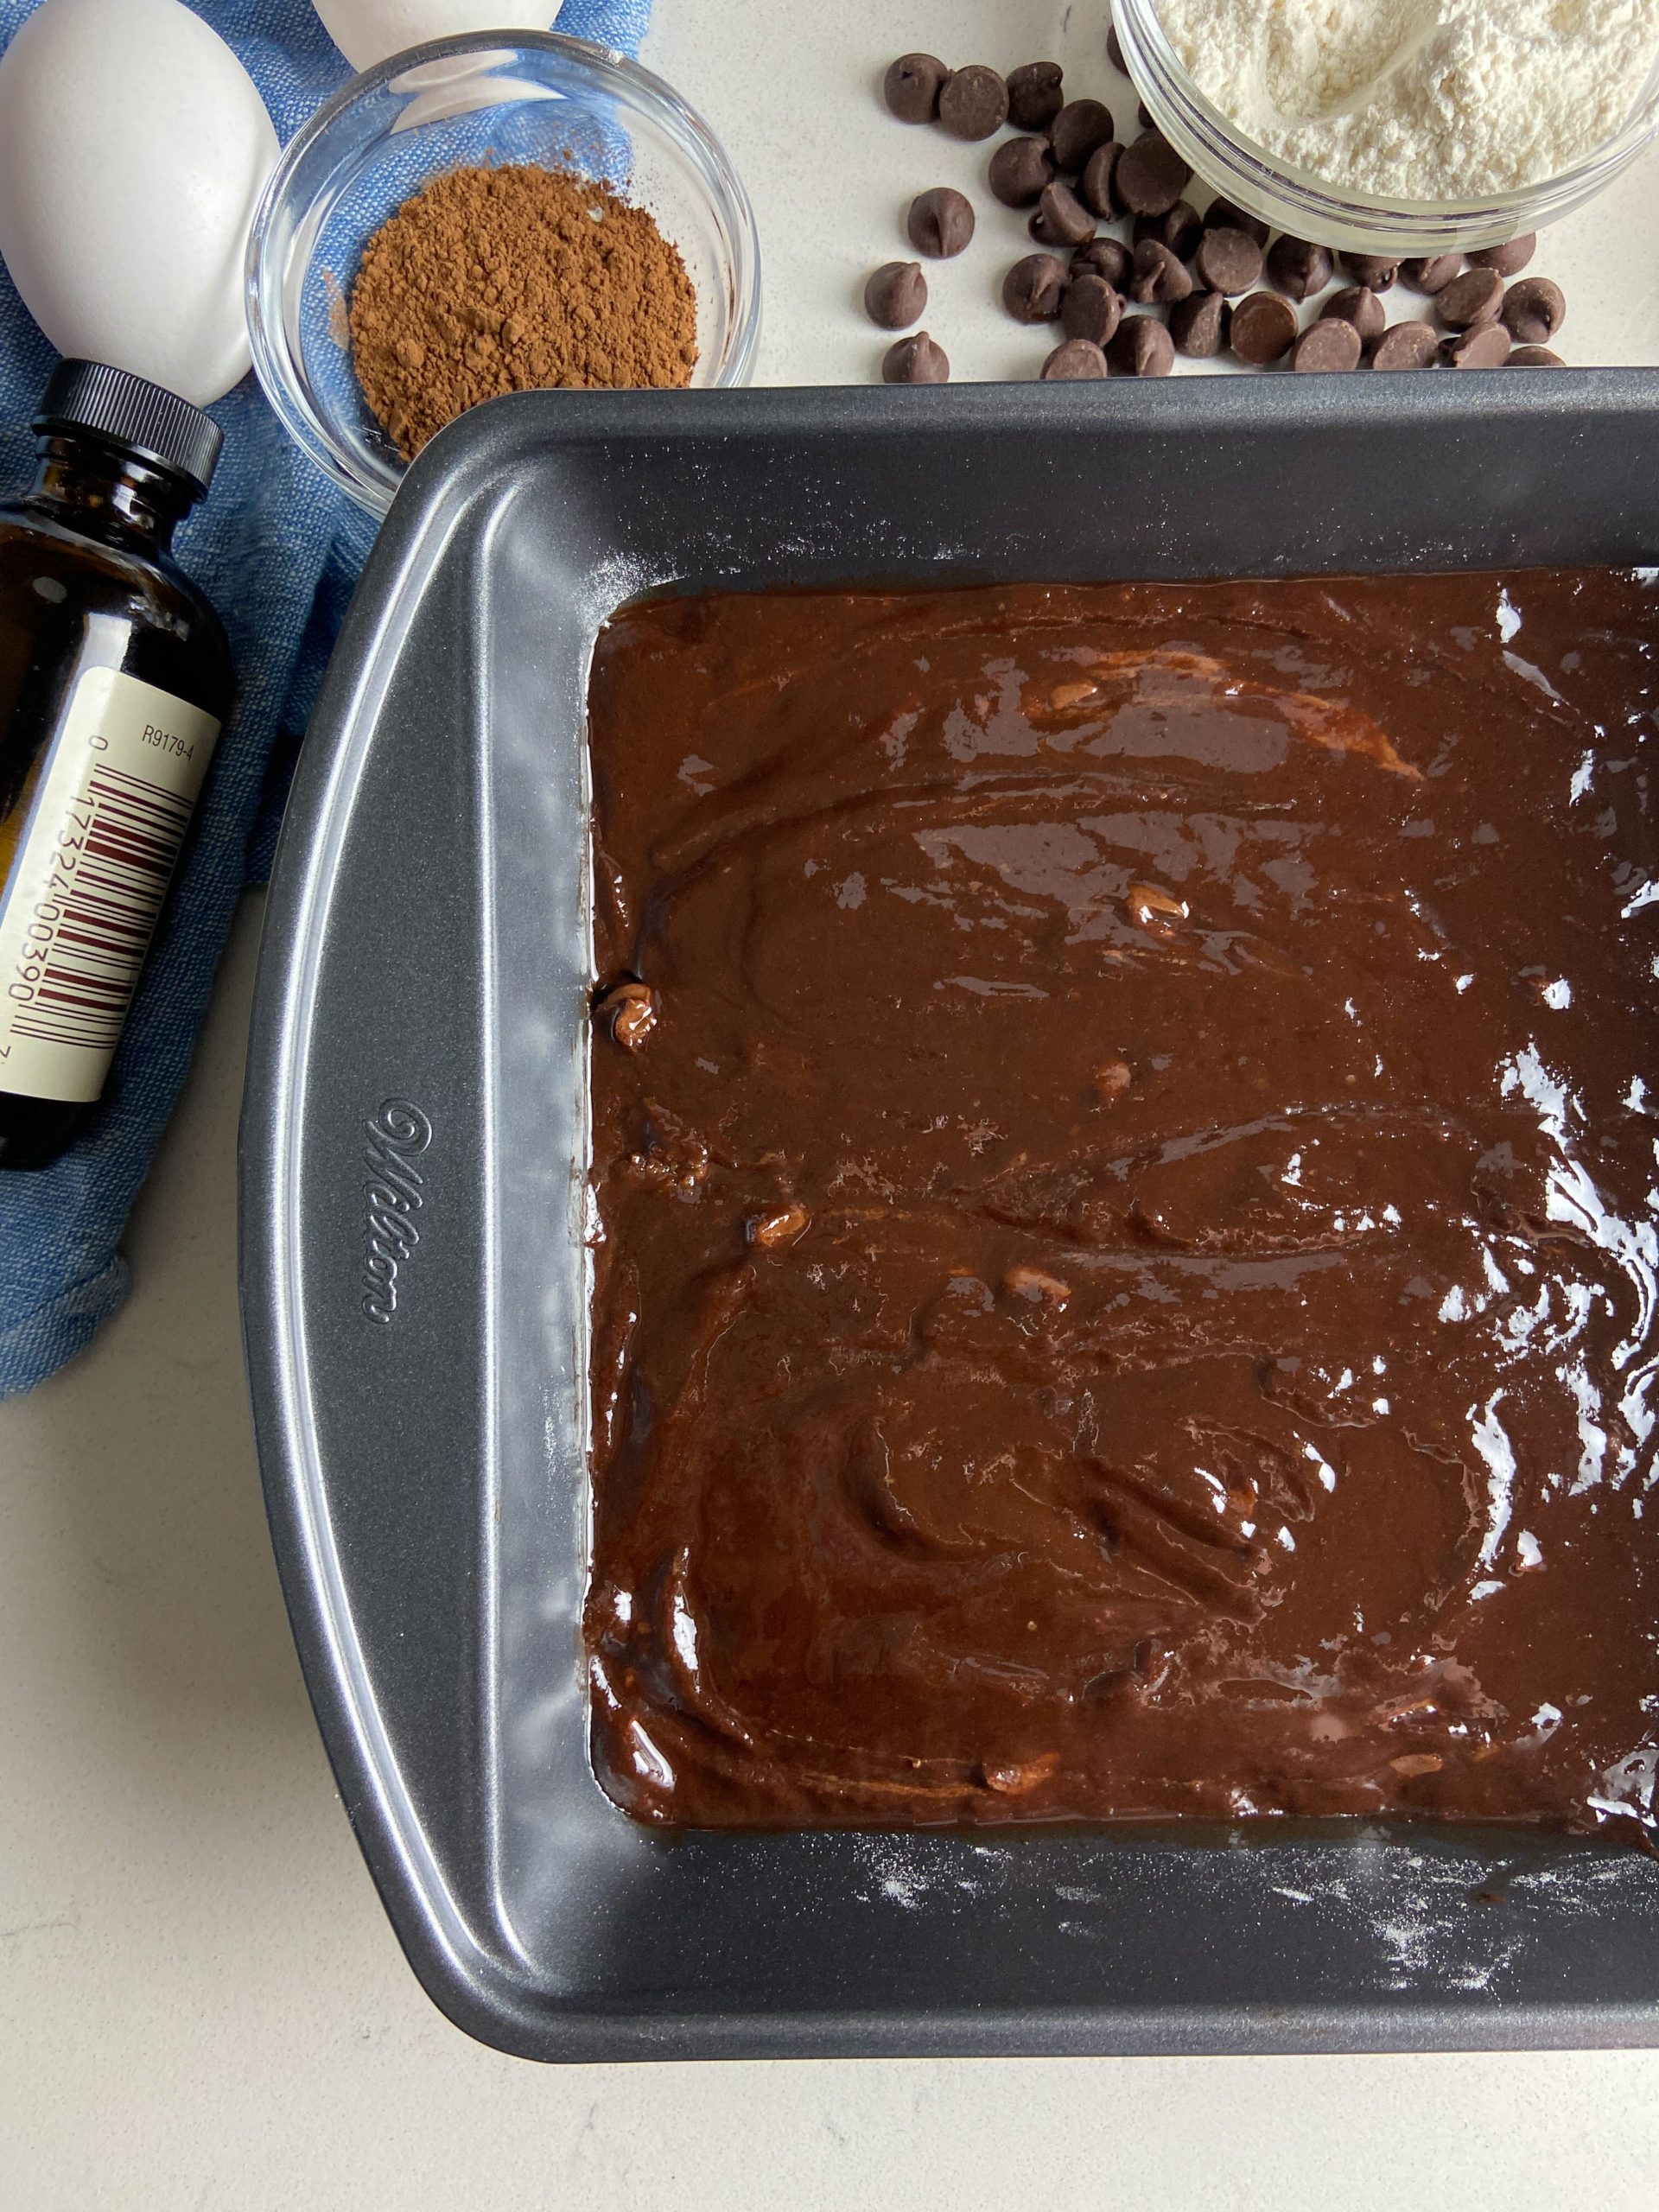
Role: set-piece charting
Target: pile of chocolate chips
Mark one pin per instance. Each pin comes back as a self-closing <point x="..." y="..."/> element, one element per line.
<point x="1174" y="281"/>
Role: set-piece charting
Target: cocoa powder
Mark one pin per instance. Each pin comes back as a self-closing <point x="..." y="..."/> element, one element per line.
<point x="497" y="280"/>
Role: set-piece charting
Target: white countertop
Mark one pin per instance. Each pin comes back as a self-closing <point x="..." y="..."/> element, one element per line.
<point x="202" y="2003"/>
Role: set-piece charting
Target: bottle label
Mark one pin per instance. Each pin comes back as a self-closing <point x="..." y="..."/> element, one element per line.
<point x="111" y="802"/>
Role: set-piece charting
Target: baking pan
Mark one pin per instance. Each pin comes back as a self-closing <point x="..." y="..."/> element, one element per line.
<point x="412" y="1270"/>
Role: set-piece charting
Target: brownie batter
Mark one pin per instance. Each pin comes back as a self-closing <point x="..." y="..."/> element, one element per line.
<point x="1124" y="1227"/>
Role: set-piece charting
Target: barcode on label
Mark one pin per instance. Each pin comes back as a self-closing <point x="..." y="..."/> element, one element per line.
<point x="88" y="875"/>
<point x="105" y="911"/>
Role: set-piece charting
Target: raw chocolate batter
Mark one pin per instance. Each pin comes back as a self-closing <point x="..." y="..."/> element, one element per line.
<point x="1126" y="1198"/>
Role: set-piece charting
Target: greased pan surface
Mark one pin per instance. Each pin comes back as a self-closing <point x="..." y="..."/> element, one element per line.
<point x="412" y="1271"/>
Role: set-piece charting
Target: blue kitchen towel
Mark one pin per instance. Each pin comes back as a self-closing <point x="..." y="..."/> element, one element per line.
<point x="277" y="549"/>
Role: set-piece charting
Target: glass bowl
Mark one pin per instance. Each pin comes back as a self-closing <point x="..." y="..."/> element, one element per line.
<point x="1309" y="207"/>
<point x="485" y="98"/>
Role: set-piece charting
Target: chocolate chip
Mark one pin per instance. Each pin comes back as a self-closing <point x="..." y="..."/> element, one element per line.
<point x="1361" y="306"/>
<point x="1019" y="168"/>
<point x="1264" y="328"/>
<point x="1333" y="343"/>
<point x="1159" y="277"/>
<point x="1152" y="176"/>
<point x="1226" y="215"/>
<point x="1298" y="268"/>
<point x="911" y="88"/>
<point x="1475" y="297"/>
<point x="1141" y="347"/>
<point x="1179" y="230"/>
<point x="1534" y="310"/>
<point x="627" y="1013"/>
<point x="1199" y="327"/>
<point x="1107" y="257"/>
<point x="1090" y="309"/>
<point x="1072" y="360"/>
<point x="1096" y="186"/>
<point x="1228" y="261"/>
<point x="940" y="222"/>
<point x="1433" y="275"/>
<point x="1375" y="271"/>
<point x="1034" y="95"/>
<point x="1114" y="52"/>
<point x="896" y="294"/>
<point x="782" y="1225"/>
<point x="1080" y="126"/>
<point x="974" y="103"/>
<point x="1405" y="345"/>
<point x="1033" y="288"/>
<point x="1509" y="259"/>
<point x="1483" y="346"/>
<point x="1534" y="357"/>
<point x="915" y="359"/>
<point x="1061" y="218"/>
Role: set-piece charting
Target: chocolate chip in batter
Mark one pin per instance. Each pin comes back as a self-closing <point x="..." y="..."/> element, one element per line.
<point x="1090" y="309"/>
<point x="1375" y="271"/>
<point x="1359" y="305"/>
<point x="1298" y="268"/>
<point x="1076" y="131"/>
<point x="626" y="1013"/>
<point x="1264" y="328"/>
<point x="1152" y="176"/>
<point x="1199" y="326"/>
<point x="1179" y="230"/>
<point x="916" y="360"/>
<point x="1033" y="288"/>
<point x="974" y="102"/>
<point x="1034" y="95"/>
<point x="1509" y="258"/>
<point x="1329" y="345"/>
<point x="1473" y="298"/>
<point x="1534" y="310"/>
<point x="940" y="222"/>
<point x="784" y="1225"/>
<point x="1098" y="185"/>
<point x="1141" y="347"/>
<point x="913" y="85"/>
<point x="1072" y="361"/>
<point x="1019" y="168"/>
<point x="1061" y="218"/>
<point x="1228" y="261"/>
<point x="1107" y="257"/>
<point x="1151" y="907"/>
<point x="1159" y="277"/>
<point x="1112" y="1079"/>
<point x="1431" y="275"/>
<point x="1405" y="345"/>
<point x="896" y="294"/>
<point x="1483" y="346"/>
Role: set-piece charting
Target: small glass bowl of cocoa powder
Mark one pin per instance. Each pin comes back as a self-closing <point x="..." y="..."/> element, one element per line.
<point x="516" y="141"/>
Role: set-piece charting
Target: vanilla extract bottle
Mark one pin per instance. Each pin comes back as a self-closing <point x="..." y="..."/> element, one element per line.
<point x="115" y="678"/>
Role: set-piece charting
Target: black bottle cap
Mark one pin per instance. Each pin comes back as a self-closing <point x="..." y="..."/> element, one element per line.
<point x="151" y="422"/>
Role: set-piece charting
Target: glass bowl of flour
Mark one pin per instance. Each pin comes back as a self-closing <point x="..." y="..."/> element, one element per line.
<point x="1409" y="127"/>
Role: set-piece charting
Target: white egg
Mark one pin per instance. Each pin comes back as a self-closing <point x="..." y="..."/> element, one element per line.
<point x="133" y="149"/>
<point x="367" y="31"/>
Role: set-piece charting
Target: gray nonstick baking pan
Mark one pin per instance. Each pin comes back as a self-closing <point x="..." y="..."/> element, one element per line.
<point x="412" y="1271"/>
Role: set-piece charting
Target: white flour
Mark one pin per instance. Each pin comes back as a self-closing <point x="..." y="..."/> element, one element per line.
<point x="1430" y="100"/>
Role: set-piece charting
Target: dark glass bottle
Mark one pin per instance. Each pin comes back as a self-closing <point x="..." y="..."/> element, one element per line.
<point x="115" y="677"/>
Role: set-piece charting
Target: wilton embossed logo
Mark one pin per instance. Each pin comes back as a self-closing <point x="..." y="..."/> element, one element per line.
<point x="393" y="1195"/>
